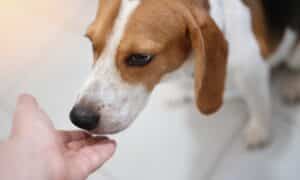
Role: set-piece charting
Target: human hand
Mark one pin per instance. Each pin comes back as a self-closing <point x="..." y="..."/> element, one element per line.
<point x="36" y="151"/>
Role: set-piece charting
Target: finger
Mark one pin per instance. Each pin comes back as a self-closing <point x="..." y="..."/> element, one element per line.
<point x="28" y="115"/>
<point x="26" y="103"/>
<point x="90" y="158"/>
<point x="77" y="145"/>
<point x="69" y="136"/>
<point x="25" y="108"/>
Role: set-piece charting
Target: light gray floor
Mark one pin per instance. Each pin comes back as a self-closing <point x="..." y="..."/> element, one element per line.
<point x="43" y="52"/>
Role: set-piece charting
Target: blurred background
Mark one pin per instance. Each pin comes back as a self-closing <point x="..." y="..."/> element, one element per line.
<point x="43" y="52"/>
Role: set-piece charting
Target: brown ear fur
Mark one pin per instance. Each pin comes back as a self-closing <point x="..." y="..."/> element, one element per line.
<point x="211" y="51"/>
<point x="99" y="30"/>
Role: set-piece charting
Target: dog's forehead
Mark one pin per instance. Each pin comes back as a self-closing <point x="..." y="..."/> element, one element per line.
<point x="110" y="20"/>
<point x="151" y="26"/>
<point x="139" y="17"/>
<point x="154" y="17"/>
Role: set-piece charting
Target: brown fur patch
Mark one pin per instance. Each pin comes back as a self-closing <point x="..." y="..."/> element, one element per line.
<point x="211" y="53"/>
<point x="100" y="29"/>
<point x="267" y="40"/>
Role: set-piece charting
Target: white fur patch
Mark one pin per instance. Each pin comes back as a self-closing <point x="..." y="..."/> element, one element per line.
<point x="217" y="13"/>
<point x="182" y="73"/>
<point x="285" y="48"/>
<point x="117" y="102"/>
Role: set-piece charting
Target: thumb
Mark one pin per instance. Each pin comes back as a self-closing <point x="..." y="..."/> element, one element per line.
<point x="28" y="116"/>
<point x="90" y="158"/>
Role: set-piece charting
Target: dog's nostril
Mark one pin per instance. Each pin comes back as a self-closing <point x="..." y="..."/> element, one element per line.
<point x="84" y="118"/>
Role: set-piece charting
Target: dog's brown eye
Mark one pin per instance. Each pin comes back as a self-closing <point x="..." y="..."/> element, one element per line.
<point x="139" y="59"/>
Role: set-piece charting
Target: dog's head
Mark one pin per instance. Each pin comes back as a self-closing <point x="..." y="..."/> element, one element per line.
<point x="136" y="44"/>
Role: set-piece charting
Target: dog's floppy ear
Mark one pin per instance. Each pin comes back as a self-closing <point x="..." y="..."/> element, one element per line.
<point x="106" y="13"/>
<point x="99" y="30"/>
<point x="211" y="51"/>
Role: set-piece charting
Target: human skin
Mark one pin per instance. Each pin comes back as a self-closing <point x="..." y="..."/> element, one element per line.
<point x="35" y="150"/>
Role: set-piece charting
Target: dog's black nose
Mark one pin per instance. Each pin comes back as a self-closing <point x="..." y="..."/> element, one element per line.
<point x="84" y="118"/>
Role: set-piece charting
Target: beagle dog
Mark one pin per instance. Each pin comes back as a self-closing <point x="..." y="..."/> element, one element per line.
<point x="138" y="44"/>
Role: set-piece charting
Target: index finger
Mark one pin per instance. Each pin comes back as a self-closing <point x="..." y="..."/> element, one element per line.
<point x="26" y="109"/>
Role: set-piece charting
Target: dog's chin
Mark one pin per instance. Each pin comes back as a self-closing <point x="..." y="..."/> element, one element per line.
<point x="110" y="129"/>
<point x="102" y="132"/>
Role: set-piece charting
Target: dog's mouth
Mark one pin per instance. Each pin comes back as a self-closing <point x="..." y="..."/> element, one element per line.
<point x="114" y="129"/>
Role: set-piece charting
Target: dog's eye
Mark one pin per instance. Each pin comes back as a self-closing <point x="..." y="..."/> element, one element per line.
<point x="139" y="59"/>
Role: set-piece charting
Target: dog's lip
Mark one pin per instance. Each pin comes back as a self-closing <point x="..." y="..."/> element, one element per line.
<point x="105" y="132"/>
<point x="112" y="131"/>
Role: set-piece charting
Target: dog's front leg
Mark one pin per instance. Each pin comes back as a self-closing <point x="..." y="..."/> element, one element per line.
<point x="253" y="83"/>
<point x="250" y="72"/>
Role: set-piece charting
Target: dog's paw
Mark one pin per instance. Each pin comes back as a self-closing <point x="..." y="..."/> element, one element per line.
<point x="256" y="135"/>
